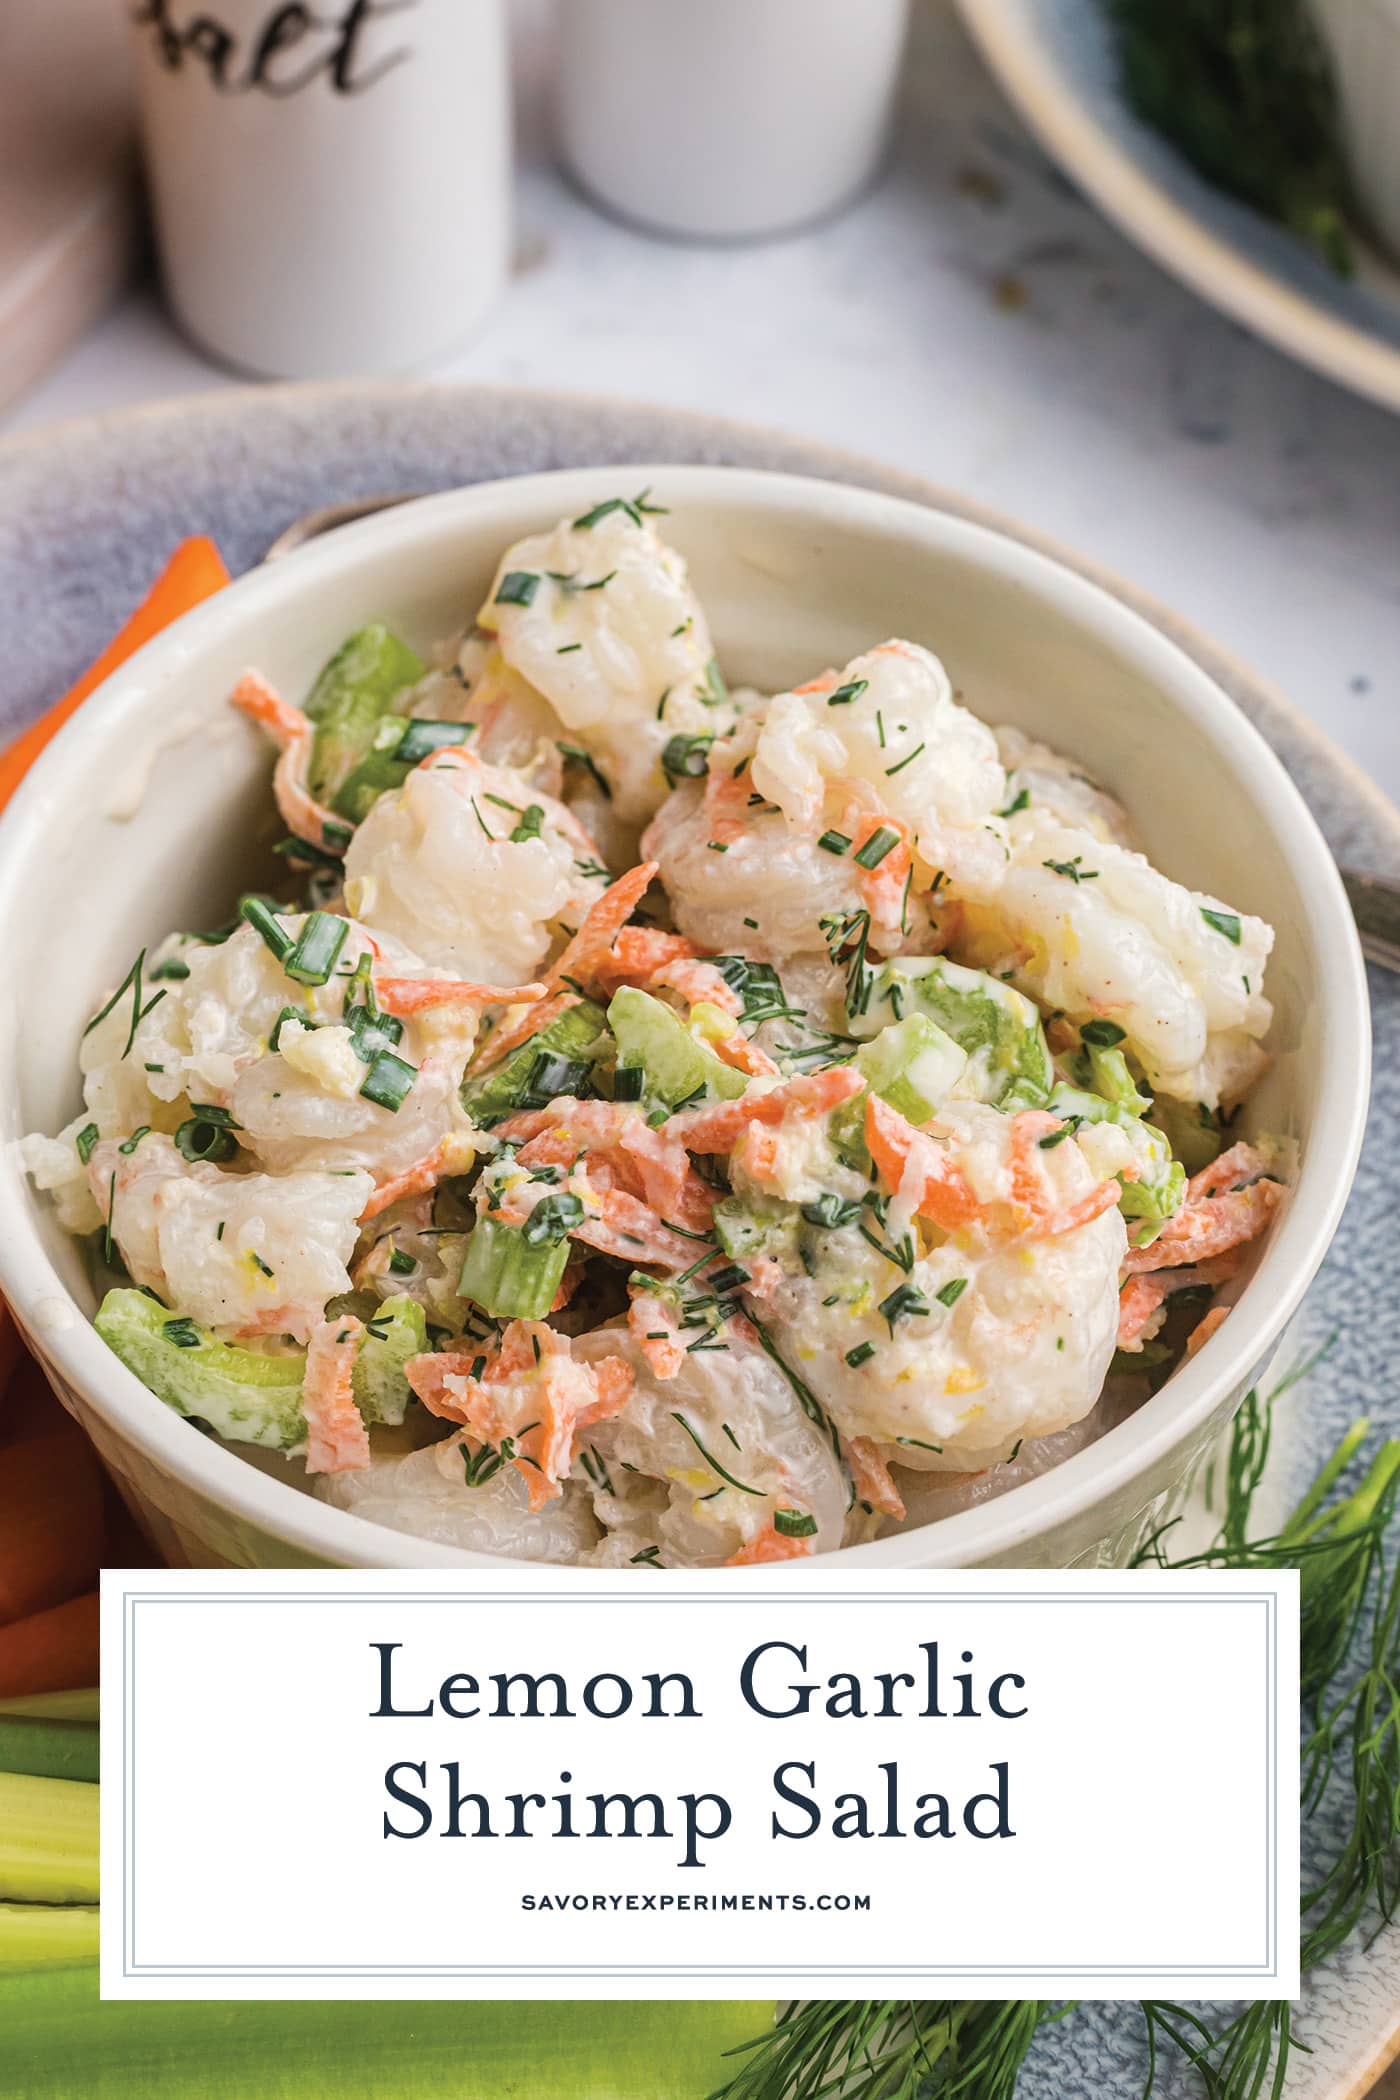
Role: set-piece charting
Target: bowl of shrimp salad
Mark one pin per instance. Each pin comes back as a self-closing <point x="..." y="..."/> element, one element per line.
<point x="665" y="1019"/>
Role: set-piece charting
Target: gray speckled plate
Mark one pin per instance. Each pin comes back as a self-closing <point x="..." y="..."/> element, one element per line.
<point x="1055" y="60"/>
<point x="89" y="511"/>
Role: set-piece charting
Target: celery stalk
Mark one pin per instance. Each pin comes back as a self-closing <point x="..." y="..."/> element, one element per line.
<point x="674" y="1066"/>
<point x="59" y="2040"/>
<point x="45" y="1935"/>
<point x="508" y="1278"/>
<point x="575" y="1034"/>
<point x="48" y="1839"/>
<point x="55" y="1706"/>
<point x="48" y="1749"/>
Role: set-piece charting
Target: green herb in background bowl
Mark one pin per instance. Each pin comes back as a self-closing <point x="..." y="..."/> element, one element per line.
<point x="1244" y="89"/>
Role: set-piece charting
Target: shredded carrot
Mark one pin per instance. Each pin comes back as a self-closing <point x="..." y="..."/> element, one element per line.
<point x="406" y="996"/>
<point x="874" y="1483"/>
<point x="337" y="1440"/>
<point x="769" y="1545"/>
<point x="1204" y="1328"/>
<point x="718" y="1126"/>
<point x="303" y="815"/>
<point x="1217" y="1215"/>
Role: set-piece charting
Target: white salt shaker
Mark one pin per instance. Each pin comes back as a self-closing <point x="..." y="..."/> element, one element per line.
<point x="331" y="183"/>
<point x="727" y="119"/>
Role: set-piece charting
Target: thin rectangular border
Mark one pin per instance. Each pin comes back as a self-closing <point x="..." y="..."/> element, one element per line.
<point x="135" y="1971"/>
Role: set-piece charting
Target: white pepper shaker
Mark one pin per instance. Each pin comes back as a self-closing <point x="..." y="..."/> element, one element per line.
<point x="727" y="119"/>
<point x="331" y="183"/>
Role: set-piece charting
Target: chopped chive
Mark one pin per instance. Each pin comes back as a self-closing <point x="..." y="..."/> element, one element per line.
<point x="649" y="1557"/>
<point x="1016" y="804"/>
<point x="834" y="842"/>
<point x="259" y="1263"/>
<point x="401" y="1264"/>
<point x="830" y="1210"/>
<point x="712" y="690"/>
<point x="317" y="949"/>
<point x="890" y="771"/>
<point x="128" y="1145"/>
<point x="876" y="847"/>
<point x="917" y="1444"/>
<point x="952" y="1291"/>
<point x="388" y="1080"/>
<point x="264" y="921"/>
<point x="172" y="968"/>
<point x="302" y="850"/>
<point x="716" y="846"/>
<point x="1226" y="922"/>
<point x="335" y="836"/>
<point x="635" y="507"/>
<point x="729" y="1278"/>
<point x="568" y="648"/>
<point x="861" y="1354"/>
<point x="903" y="1302"/>
<point x="552" y="1219"/>
<point x="794" y="1524"/>
<point x="1104" y="1035"/>
<point x="1057" y="1137"/>
<point x="207" y="1133"/>
<point x="183" y="1333"/>
<point x="421" y="738"/>
<point x="845" y="694"/>
<point x="518" y="587"/>
<point x="1071" y="869"/>
<point x="85" y="1140"/>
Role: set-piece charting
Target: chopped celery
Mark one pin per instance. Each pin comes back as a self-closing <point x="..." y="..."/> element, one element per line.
<point x="247" y="1398"/>
<point x="61" y="2040"/>
<point x="48" y="1749"/>
<point x="1106" y="1071"/>
<point x="1160" y="1187"/>
<point x="998" y="1027"/>
<point x="507" y="1276"/>
<point x="913" y="1064"/>
<point x="48" y="1839"/>
<point x="654" y="1041"/>
<point x="374" y="774"/>
<point x="47" y="1935"/>
<point x="394" y="1333"/>
<point x="1191" y="1129"/>
<point x="574" y="1035"/>
<point x="348" y="699"/>
<point x="745" y="1228"/>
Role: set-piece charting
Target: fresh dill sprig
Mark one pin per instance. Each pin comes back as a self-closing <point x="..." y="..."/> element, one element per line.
<point x="890" y="2049"/>
<point x="903" y="2049"/>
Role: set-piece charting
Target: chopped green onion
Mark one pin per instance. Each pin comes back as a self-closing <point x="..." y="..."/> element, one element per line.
<point x="951" y="1292"/>
<point x="207" y="1133"/>
<point x="388" y="1081"/>
<point x="263" y="920"/>
<point x="1226" y="922"/>
<point x="877" y="846"/>
<point x="794" y="1524"/>
<point x="183" y="1333"/>
<point x="421" y="738"/>
<point x="371" y="1034"/>
<point x="685" y="758"/>
<point x="903" y="1301"/>
<point x="318" y="948"/>
<point x="552" y="1219"/>
<point x="1104" y="1035"/>
<point x="401" y="1264"/>
<point x="518" y="587"/>
<point x="530" y="825"/>
<point x="861" y="1354"/>
<point x="834" y="842"/>
<point x="87" y="1137"/>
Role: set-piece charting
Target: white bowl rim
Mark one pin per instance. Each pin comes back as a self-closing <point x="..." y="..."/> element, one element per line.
<point x="994" y="1529"/>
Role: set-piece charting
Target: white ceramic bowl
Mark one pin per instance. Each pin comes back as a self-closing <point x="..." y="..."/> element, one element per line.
<point x="144" y="813"/>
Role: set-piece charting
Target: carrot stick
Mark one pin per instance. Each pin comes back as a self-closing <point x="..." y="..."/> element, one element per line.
<point x="51" y="1651"/>
<point x="51" y="1521"/>
<point x="194" y="572"/>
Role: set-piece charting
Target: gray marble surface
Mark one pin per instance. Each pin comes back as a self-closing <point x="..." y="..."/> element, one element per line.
<point x="972" y="320"/>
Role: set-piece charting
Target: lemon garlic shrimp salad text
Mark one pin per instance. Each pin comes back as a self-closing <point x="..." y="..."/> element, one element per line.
<point x="671" y="1126"/>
